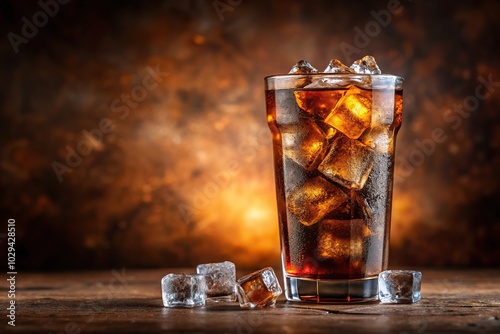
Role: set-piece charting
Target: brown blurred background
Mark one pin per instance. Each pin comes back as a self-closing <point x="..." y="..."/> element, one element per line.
<point x="134" y="133"/>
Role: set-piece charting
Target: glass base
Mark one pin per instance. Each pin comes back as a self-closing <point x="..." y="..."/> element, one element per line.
<point x="331" y="290"/>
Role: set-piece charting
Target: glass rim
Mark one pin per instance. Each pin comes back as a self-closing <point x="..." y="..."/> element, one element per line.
<point x="326" y="75"/>
<point x="333" y="81"/>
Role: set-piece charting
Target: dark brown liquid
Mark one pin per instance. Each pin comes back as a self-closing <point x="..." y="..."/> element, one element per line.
<point x="334" y="191"/>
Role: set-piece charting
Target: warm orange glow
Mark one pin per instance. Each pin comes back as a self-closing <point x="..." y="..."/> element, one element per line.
<point x="244" y="217"/>
<point x="404" y="213"/>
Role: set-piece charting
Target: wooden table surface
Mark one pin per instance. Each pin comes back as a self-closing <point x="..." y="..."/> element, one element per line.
<point x="129" y="301"/>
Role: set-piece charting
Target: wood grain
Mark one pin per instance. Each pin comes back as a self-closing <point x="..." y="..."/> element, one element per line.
<point x="123" y="301"/>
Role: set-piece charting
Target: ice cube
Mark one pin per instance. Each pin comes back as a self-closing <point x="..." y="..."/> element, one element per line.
<point x="328" y="130"/>
<point x="348" y="162"/>
<point x="336" y="66"/>
<point x="331" y="82"/>
<point x="342" y="239"/>
<point x="398" y="111"/>
<point x="343" y="211"/>
<point x="352" y="113"/>
<point x="302" y="67"/>
<point x="386" y="103"/>
<point x="375" y="196"/>
<point x="319" y="103"/>
<point x="331" y="246"/>
<point x="383" y="103"/>
<point x="293" y="174"/>
<point x="345" y="229"/>
<point x="345" y="255"/>
<point x="366" y="65"/>
<point x="355" y="208"/>
<point x="314" y="199"/>
<point x="342" y="243"/>
<point x="258" y="289"/>
<point x="379" y="138"/>
<point x="181" y="290"/>
<point x="399" y="286"/>
<point x="221" y="278"/>
<point x="286" y="109"/>
<point x="304" y="143"/>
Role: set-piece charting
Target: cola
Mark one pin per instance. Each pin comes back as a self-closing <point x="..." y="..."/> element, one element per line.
<point x="333" y="144"/>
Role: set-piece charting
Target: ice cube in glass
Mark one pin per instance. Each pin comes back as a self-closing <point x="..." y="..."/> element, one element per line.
<point x="352" y="113"/>
<point x="348" y="163"/>
<point x="304" y="143"/>
<point x="319" y="103"/>
<point x="302" y="67"/>
<point x="366" y="65"/>
<point x="342" y="243"/>
<point x="314" y="199"/>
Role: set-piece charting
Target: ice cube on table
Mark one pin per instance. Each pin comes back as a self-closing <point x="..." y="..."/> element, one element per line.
<point x="366" y="65"/>
<point x="302" y="67"/>
<point x="352" y="113"/>
<point x="220" y="278"/>
<point x="304" y="143"/>
<point x="258" y="289"/>
<point x="314" y="199"/>
<point x="319" y="103"/>
<point x="336" y="66"/>
<point x="182" y="290"/>
<point x="348" y="162"/>
<point x="399" y="286"/>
